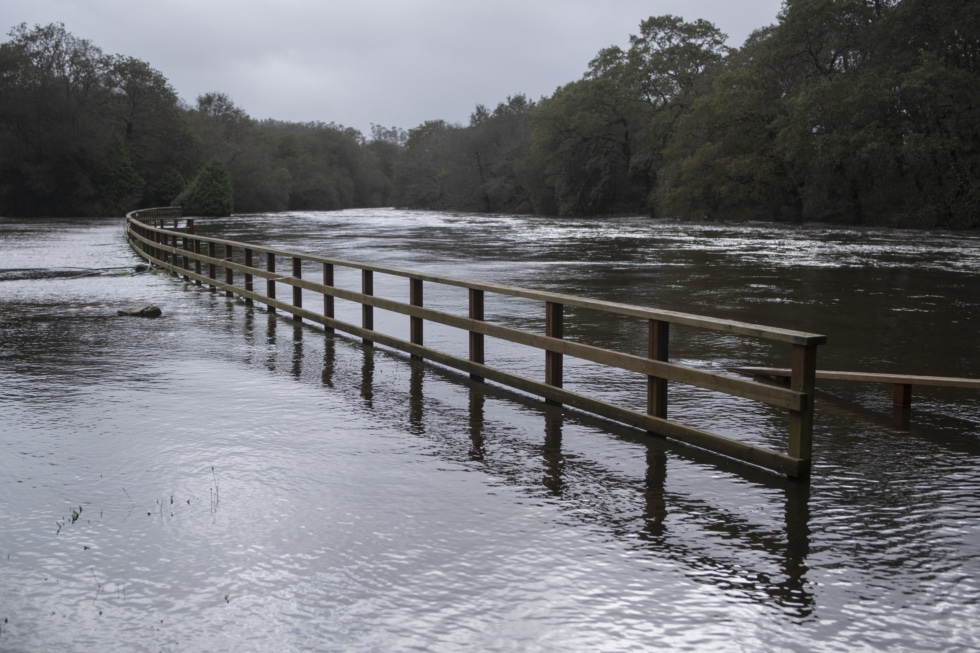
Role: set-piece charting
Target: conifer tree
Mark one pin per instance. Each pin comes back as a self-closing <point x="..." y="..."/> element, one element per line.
<point x="209" y="194"/>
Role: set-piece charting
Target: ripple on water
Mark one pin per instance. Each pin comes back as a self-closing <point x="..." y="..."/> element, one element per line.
<point x="244" y="485"/>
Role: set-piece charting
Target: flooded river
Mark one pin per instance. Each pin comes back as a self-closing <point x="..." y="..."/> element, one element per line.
<point x="223" y="479"/>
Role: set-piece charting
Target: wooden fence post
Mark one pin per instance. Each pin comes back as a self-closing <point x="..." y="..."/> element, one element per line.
<point x="328" y="300"/>
<point x="658" y="340"/>
<point x="297" y="291"/>
<point x="212" y="268"/>
<point x="553" y="361"/>
<point x="248" y="275"/>
<point x="804" y="379"/>
<point x="367" y="311"/>
<point x="229" y="273"/>
<point x="477" y="350"/>
<point x="270" y="284"/>
<point x="186" y="246"/>
<point x="902" y="395"/>
<point x="197" y="261"/>
<point x="415" y="323"/>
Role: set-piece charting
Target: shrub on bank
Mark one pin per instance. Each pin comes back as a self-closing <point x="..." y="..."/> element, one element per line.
<point x="209" y="194"/>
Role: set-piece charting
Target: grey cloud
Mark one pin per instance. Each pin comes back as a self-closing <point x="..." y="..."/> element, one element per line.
<point x="389" y="62"/>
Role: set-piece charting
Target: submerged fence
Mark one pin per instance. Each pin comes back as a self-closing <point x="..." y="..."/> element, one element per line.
<point x="157" y="236"/>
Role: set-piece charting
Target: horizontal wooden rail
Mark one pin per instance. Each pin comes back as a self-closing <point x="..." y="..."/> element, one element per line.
<point x="630" y="310"/>
<point x="868" y="377"/>
<point x="175" y="249"/>
<point x="901" y="383"/>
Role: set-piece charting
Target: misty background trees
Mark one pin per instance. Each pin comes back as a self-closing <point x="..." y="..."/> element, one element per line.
<point x="844" y="111"/>
<point x="85" y="133"/>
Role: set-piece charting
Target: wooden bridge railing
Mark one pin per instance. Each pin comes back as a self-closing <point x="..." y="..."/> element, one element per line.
<point x="155" y="235"/>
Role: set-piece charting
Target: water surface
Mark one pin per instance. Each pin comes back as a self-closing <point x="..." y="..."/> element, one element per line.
<point x="223" y="479"/>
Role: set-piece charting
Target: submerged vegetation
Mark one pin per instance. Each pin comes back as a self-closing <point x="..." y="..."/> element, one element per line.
<point x="844" y="111"/>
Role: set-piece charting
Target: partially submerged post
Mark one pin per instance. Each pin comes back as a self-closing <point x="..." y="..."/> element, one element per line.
<point x="901" y="383"/>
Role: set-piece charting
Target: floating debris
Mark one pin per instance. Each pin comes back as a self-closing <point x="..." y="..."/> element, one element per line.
<point x="141" y="311"/>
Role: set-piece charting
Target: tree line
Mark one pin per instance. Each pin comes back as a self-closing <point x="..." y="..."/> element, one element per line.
<point x="85" y="133"/>
<point x="843" y="111"/>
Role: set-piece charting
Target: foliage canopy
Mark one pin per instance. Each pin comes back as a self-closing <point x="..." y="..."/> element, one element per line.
<point x="85" y="133"/>
<point x="843" y="111"/>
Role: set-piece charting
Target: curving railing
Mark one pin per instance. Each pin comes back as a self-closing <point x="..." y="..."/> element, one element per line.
<point x="156" y="235"/>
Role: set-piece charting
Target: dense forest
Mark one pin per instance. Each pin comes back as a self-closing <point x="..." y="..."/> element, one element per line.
<point x="85" y="133"/>
<point x="844" y="111"/>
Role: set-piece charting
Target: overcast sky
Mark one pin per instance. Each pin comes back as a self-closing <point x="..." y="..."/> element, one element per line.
<point x="357" y="62"/>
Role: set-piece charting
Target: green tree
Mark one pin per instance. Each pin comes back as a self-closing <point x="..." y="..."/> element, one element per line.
<point x="826" y="47"/>
<point x="846" y="111"/>
<point x="144" y="108"/>
<point x="319" y="161"/>
<point x="227" y="134"/>
<point x="51" y="126"/>
<point x="664" y="60"/>
<point x="422" y="179"/>
<point x="881" y="125"/>
<point x="656" y="79"/>
<point x="580" y="153"/>
<point x="936" y="46"/>
<point x="384" y="158"/>
<point x="473" y="168"/>
<point x="81" y="132"/>
<point x="209" y="194"/>
<point x="120" y="185"/>
<point x="391" y="135"/>
<point x="169" y="187"/>
<point x="597" y="144"/>
<point x="721" y="161"/>
<point x="496" y="142"/>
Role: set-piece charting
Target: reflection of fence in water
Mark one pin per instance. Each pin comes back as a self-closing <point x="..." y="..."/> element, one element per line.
<point x="177" y="250"/>
<point x="646" y="491"/>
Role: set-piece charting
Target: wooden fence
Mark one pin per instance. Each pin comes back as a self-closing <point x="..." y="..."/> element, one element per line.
<point x="156" y="235"/>
<point x="901" y="384"/>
